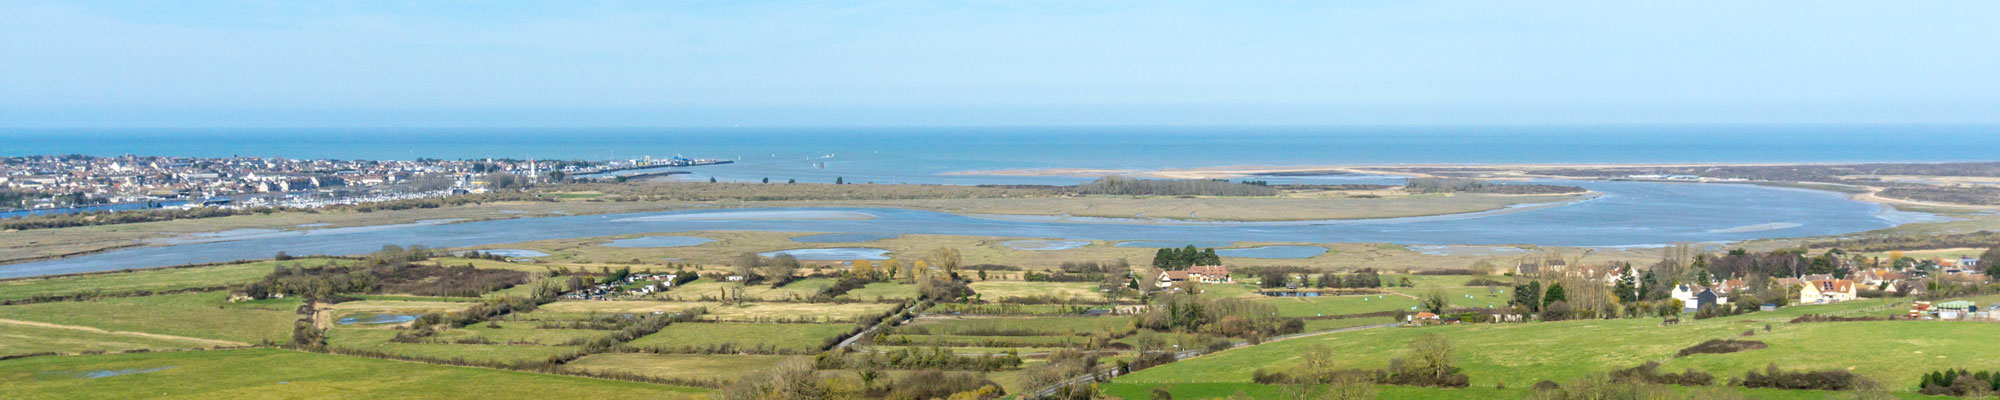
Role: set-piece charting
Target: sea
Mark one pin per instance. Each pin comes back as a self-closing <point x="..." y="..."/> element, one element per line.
<point x="930" y="154"/>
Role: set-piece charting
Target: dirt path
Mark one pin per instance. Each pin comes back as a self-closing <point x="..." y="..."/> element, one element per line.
<point x="213" y="342"/>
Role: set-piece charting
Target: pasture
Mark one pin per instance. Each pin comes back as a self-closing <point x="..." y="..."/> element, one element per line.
<point x="154" y="280"/>
<point x="1518" y="355"/>
<point x="799" y="338"/>
<point x="18" y="339"/>
<point x="202" y="315"/>
<point x="679" y="366"/>
<point x="1000" y="291"/>
<point x="273" y="373"/>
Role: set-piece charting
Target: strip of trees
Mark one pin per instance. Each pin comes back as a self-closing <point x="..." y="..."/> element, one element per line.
<point x="1178" y="259"/>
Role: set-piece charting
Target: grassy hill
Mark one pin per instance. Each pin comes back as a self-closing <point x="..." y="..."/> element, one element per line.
<point x="1893" y="353"/>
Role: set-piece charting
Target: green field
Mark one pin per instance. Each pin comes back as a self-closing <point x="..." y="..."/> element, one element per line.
<point x="1223" y="390"/>
<point x="1002" y="290"/>
<point x="1518" y="355"/>
<point x="744" y="312"/>
<point x="24" y="339"/>
<point x="149" y="279"/>
<point x="271" y="373"/>
<point x="786" y="337"/>
<point x="679" y="366"/>
<point x="378" y="340"/>
<point x="203" y="315"/>
<point x="882" y="291"/>
<point x="1033" y="326"/>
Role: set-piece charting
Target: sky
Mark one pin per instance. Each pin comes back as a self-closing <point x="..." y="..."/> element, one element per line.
<point x="224" y="63"/>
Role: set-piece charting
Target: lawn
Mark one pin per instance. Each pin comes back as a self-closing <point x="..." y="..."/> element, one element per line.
<point x="272" y="373"/>
<point x="1002" y="290"/>
<point x="203" y="315"/>
<point x="24" y="339"/>
<point x="679" y="366"/>
<point x="149" y="279"/>
<point x="787" y="337"/>
<point x="1892" y="352"/>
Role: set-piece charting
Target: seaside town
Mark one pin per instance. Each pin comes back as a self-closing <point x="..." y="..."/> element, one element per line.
<point x="85" y="183"/>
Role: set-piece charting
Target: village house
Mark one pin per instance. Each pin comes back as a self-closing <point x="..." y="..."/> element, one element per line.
<point x="1826" y="291"/>
<point x="1694" y="297"/>
<point x="1210" y="274"/>
<point x="1878" y="277"/>
<point x="1169" y="278"/>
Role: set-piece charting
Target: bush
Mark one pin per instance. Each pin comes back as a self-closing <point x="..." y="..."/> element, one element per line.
<point x="1832" y="379"/>
<point x="1647" y="373"/>
<point x="1721" y="346"/>
<point x="1961" y="383"/>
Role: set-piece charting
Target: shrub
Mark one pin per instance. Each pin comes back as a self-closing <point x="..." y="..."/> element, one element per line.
<point x="1833" y="379"/>
<point x="1647" y="373"/>
<point x="1721" y="346"/>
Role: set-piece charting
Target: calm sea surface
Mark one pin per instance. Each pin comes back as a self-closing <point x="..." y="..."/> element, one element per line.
<point x="918" y="155"/>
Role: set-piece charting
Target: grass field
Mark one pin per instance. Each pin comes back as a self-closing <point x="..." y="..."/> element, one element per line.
<point x="1223" y="390"/>
<point x="799" y="290"/>
<point x="882" y="291"/>
<point x="378" y="340"/>
<point x="149" y="280"/>
<point x="202" y="315"/>
<point x="745" y="312"/>
<point x="271" y="373"/>
<point x="1037" y="326"/>
<point x="789" y="337"/>
<point x="679" y="366"/>
<point x="24" y="339"/>
<point x="1892" y="352"/>
<point x="1001" y="290"/>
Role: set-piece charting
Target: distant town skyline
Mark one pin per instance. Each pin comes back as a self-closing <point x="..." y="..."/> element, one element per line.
<point x="111" y="64"/>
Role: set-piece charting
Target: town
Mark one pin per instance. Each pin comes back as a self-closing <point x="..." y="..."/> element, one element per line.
<point x="36" y="185"/>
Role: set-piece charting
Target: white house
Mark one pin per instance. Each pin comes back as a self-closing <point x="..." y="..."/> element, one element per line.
<point x="1826" y="291"/>
<point x="1694" y="297"/>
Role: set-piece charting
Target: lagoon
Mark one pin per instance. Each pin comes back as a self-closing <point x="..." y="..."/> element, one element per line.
<point x="1627" y="214"/>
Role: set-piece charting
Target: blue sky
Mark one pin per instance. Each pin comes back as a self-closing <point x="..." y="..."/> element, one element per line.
<point x="679" y="63"/>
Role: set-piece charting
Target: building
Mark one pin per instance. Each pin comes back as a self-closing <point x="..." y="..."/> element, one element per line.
<point x="1826" y="291"/>
<point x="1210" y="274"/>
<point x="1169" y="278"/>
<point x="1694" y="297"/>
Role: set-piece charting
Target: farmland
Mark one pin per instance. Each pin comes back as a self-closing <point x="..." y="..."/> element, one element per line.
<point x="263" y="373"/>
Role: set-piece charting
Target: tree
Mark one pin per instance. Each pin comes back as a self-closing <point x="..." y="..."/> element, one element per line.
<point x="767" y="180"/>
<point x="791" y="181"/>
<point x="1529" y="296"/>
<point x="1627" y="293"/>
<point x="781" y="268"/>
<point x="1433" y="355"/>
<point x="711" y="179"/>
<point x="863" y="269"/>
<point x="946" y="258"/>
<point x="1554" y="294"/>
<point x="1435" y="301"/>
<point x="1991" y="259"/>
<point x="839" y="180"/>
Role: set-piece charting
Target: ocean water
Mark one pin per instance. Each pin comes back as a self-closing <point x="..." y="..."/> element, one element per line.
<point x="921" y="155"/>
